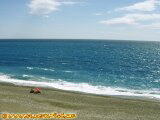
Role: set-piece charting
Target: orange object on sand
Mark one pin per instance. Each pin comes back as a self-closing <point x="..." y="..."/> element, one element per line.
<point x="35" y="90"/>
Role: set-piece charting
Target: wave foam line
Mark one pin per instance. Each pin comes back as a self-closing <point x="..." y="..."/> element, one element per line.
<point x="83" y="87"/>
<point x="45" y="69"/>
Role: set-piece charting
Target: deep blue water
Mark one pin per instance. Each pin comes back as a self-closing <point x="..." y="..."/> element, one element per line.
<point x="101" y="67"/>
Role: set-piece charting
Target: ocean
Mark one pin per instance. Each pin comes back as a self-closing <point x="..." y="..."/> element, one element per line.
<point x="125" y="68"/>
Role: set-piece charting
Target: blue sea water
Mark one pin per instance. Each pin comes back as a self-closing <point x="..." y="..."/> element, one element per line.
<point x="127" y="68"/>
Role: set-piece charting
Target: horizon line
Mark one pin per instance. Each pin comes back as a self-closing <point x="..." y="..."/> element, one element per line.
<point x="84" y="39"/>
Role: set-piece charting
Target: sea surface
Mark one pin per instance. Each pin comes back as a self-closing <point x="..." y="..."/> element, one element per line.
<point x="127" y="68"/>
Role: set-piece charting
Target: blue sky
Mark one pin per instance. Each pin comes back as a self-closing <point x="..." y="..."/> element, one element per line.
<point x="80" y="19"/>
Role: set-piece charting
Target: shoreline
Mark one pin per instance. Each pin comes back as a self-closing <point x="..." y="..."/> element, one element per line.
<point x="17" y="99"/>
<point x="39" y="84"/>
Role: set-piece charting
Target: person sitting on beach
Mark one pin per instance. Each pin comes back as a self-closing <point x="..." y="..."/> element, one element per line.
<point x="35" y="90"/>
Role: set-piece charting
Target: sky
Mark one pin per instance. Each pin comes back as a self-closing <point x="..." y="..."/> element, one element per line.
<point x="80" y="19"/>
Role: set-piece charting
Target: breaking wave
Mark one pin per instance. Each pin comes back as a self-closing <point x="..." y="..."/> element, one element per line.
<point x="81" y="87"/>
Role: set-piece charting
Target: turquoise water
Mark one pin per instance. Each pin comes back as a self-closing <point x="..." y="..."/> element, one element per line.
<point x="99" y="67"/>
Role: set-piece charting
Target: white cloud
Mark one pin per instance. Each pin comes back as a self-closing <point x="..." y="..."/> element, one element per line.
<point x="97" y="14"/>
<point x="45" y="7"/>
<point x="152" y="26"/>
<point x="68" y="2"/>
<point x="109" y="12"/>
<point x="132" y="19"/>
<point x="149" y="19"/>
<point x="147" y="5"/>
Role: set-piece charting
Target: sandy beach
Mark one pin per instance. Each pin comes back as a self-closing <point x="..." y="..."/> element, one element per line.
<point x="17" y="99"/>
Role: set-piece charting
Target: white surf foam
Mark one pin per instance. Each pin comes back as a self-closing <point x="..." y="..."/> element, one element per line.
<point x="45" y="69"/>
<point x="67" y="71"/>
<point x="24" y="75"/>
<point x="83" y="87"/>
<point x="30" y="68"/>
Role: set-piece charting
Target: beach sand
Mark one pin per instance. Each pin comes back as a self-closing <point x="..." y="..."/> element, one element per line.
<point x="17" y="99"/>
